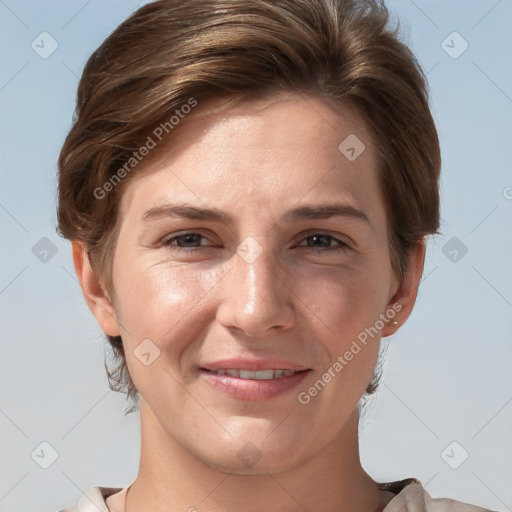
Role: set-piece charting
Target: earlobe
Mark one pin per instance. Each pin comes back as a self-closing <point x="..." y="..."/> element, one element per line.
<point x="404" y="299"/>
<point x="95" y="296"/>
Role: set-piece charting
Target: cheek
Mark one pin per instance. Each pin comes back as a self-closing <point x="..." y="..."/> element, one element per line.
<point x="168" y="307"/>
<point x="161" y="302"/>
<point x="344" y="301"/>
<point x="346" y="305"/>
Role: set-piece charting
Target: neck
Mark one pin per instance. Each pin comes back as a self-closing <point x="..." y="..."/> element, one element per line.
<point x="171" y="477"/>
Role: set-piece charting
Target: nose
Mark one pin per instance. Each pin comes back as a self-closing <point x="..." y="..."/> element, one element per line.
<point x="256" y="297"/>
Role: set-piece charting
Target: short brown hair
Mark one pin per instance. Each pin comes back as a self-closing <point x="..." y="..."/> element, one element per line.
<point x="170" y="51"/>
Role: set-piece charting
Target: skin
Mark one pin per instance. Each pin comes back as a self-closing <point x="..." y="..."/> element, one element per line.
<point x="301" y="299"/>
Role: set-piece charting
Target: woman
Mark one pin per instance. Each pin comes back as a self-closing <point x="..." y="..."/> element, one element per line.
<point x="247" y="188"/>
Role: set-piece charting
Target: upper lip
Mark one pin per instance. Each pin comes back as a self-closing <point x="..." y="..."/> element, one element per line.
<point x="254" y="365"/>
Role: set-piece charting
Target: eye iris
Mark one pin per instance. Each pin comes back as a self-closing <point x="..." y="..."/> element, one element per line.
<point x="189" y="238"/>
<point x="317" y="238"/>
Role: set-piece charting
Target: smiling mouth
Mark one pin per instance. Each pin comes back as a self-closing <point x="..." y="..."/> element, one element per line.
<point x="253" y="375"/>
<point x="255" y="384"/>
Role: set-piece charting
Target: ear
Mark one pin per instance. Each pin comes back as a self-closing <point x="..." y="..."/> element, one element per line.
<point x="96" y="297"/>
<point x="404" y="299"/>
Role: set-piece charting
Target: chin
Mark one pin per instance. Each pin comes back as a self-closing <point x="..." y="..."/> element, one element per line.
<point x="256" y="454"/>
<point x="253" y="462"/>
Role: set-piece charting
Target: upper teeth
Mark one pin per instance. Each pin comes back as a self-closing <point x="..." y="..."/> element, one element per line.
<point x="260" y="375"/>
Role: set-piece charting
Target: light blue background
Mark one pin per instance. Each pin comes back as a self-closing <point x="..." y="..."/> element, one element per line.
<point x="448" y="371"/>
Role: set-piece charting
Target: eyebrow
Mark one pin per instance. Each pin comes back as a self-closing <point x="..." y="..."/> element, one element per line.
<point x="319" y="211"/>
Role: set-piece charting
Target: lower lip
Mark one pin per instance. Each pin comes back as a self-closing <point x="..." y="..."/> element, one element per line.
<point x="251" y="389"/>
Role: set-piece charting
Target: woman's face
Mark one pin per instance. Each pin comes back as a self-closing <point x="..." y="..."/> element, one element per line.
<point x="255" y="244"/>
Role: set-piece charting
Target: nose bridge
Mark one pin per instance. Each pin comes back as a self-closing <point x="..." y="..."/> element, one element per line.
<point x="255" y="298"/>
<point x="258" y="279"/>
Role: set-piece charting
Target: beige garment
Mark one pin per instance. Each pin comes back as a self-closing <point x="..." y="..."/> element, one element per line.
<point x="410" y="497"/>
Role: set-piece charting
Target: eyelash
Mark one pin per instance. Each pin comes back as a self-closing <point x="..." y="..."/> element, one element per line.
<point x="168" y="243"/>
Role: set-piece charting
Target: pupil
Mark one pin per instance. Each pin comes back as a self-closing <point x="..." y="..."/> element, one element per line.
<point x="318" y="238"/>
<point x="189" y="238"/>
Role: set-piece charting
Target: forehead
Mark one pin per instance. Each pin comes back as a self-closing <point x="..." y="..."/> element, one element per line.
<point x="260" y="152"/>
